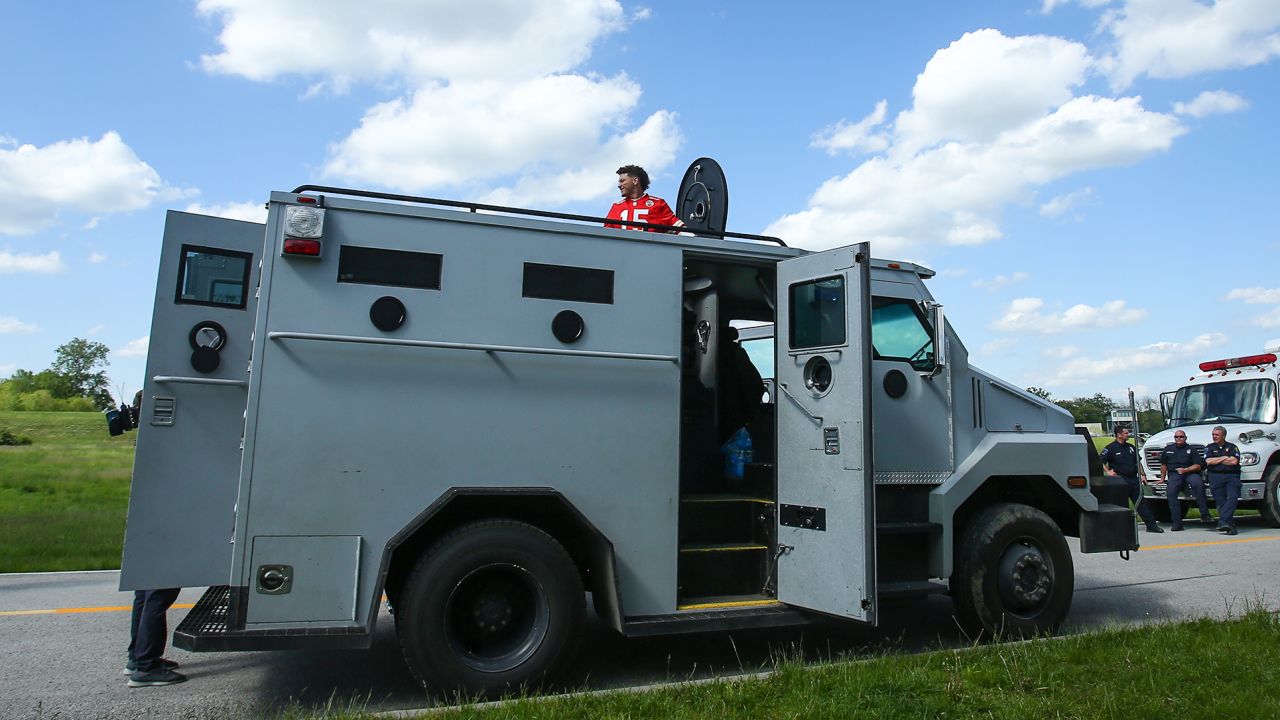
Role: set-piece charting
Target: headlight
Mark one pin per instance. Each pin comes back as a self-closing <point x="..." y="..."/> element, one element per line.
<point x="1248" y="458"/>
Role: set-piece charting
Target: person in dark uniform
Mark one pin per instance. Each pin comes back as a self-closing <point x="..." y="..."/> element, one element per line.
<point x="1121" y="459"/>
<point x="1222" y="465"/>
<point x="1180" y="466"/>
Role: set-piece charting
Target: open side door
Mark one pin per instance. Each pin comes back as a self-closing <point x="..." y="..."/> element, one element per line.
<point x="826" y="488"/>
<point x="1166" y="405"/>
<point x="186" y="468"/>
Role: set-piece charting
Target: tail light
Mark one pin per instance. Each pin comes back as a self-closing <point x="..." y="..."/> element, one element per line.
<point x="303" y="228"/>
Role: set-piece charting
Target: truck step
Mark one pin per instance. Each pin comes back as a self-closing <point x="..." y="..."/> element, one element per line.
<point x="907" y="528"/>
<point x="206" y="629"/>
<point x="773" y="614"/>
<point x="909" y="588"/>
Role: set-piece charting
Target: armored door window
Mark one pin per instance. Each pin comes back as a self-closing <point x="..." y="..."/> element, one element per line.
<point x="899" y="332"/>
<point x="817" y="313"/>
<point x="212" y="276"/>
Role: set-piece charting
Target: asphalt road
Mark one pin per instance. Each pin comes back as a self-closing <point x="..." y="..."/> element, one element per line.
<point x="67" y="664"/>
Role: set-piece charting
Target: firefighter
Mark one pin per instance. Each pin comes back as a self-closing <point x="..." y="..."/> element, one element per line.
<point x="1121" y="459"/>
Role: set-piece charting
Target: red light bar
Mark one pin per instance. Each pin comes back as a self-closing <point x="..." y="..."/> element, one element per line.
<point x="299" y="246"/>
<point x="306" y="199"/>
<point x="1245" y="361"/>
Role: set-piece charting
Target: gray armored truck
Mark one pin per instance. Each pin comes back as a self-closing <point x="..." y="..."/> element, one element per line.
<point x="483" y="416"/>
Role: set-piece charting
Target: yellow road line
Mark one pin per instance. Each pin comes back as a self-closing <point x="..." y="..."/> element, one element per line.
<point x="1210" y="542"/>
<point x="68" y="611"/>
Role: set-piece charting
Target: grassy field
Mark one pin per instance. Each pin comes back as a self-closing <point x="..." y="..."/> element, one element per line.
<point x="1202" y="669"/>
<point x="63" y="498"/>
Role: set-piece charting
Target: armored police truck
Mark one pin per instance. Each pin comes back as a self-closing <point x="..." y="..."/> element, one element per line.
<point x="1239" y="394"/>
<point x="483" y="414"/>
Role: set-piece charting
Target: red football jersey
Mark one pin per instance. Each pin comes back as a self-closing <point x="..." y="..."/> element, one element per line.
<point x="646" y="209"/>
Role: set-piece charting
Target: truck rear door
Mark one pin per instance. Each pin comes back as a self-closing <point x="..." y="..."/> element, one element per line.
<point x="187" y="463"/>
<point x="826" y="490"/>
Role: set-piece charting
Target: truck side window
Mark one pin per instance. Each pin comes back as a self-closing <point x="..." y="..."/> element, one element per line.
<point x="899" y="332"/>
<point x="564" y="282"/>
<point x="212" y="276"/>
<point x="380" y="266"/>
<point x="817" y="313"/>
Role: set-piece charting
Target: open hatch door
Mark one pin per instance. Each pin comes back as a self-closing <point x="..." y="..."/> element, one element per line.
<point x="186" y="468"/>
<point x="826" y="489"/>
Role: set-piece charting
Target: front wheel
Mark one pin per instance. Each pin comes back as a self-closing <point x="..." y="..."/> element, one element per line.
<point x="491" y="607"/>
<point x="1271" y="497"/>
<point x="1013" y="573"/>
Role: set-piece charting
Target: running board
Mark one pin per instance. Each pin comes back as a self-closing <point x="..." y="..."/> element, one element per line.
<point x="206" y="629"/>
<point x="909" y="588"/>
<point x="737" y="618"/>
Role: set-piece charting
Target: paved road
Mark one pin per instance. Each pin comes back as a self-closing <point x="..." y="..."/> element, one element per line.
<point x="67" y="665"/>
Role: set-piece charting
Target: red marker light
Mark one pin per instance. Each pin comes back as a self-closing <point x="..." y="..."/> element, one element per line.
<point x="1247" y="360"/>
<point x="306" y="199"/>
<point x="299" y="246"/>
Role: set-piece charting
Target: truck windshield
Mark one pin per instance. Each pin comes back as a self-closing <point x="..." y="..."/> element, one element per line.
<point x="1236" y="401"/>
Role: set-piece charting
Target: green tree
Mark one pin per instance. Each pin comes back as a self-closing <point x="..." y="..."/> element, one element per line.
<point x="1040" y="393"/>
<point x="1088" y="409"/>
<point x="81" y="363"/>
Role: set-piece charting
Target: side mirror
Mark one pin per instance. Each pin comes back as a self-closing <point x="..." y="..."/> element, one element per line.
<point x="939" y="322"/>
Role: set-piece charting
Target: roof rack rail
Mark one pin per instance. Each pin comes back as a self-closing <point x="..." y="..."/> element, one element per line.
<point x="476" y="207"/>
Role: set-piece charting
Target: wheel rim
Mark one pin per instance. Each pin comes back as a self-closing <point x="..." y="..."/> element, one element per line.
<point x="496" y="617"/>
<point x="1025" y="577"/>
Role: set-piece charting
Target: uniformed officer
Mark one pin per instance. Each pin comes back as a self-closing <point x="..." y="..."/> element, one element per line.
<point x="1121" y="459"/>
<point x="1180" y="466"/>
<point x="1222" y="461"/>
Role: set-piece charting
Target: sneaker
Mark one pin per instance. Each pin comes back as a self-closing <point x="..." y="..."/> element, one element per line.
<point x="131" y="667"/>
<point x="1223" y="528"/>
<point x="1232" y="531"/>
<point x="1153" y="528"/>
<point x="156" y="678"/>
<point x="1177" y="528"/>
<point x="1208" y="521"/>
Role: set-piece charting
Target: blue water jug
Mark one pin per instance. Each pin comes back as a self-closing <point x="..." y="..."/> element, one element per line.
<point x="737" y="453"/>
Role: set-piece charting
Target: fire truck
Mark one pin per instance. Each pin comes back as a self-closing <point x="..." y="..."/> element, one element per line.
<point x="1240" y="395"/>
<point x="478" y="416"/>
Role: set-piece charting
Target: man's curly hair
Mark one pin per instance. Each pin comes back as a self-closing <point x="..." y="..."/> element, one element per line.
<point x="636" y="172"/>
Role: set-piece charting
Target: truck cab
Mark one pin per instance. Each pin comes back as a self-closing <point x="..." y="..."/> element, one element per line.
<point x="1240" y="395"/>
<point x="483" y="415"/>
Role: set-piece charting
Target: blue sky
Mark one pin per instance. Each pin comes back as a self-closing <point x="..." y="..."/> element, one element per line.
<point x="1094" y="181"/>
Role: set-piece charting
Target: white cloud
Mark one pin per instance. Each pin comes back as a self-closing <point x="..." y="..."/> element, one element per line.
<point x="1178" y="38"/>
<point x="997" y="346"/>
<point x="488" y="104"/>
<point x="1024" y="316"/>
<point x="953" y="272"/>
<point x="102" y="176"/>
<point x="854" y="136"/>
<point x="1060" y="351"/>
<point x="994" y="118"/>
<point x="92" y="223"/>
<point x="1063" y="203"/>
<point x="247" y="211"/>
<point x="546" y="129"/>
<point x="47" y="264"/>
<point x="1269" y="319"/>
<point x="95" y="330"/>
<point x="1048" y="6"/>
<point x="1083" y="370"/>
<point x="1000" y="281"/>
<point x="1255" y="295"/>
<point x="10" y="325"/>
<point x="134" y="348"/>
<point x="7" y="369"/>
<point x="96" y="258"/>
<point x="1211" y="102"/>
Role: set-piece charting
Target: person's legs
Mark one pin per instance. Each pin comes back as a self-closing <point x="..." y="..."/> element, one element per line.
<point x="153" y="630"/>
<point x="1173" y="488"/>
<point x="139" y="598"/>
<point x="1143" y="510"/>
<point x="1227" y="508"/>
<point x="1199" y="491"/>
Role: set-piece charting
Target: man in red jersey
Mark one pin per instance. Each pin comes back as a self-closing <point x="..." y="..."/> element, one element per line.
<point x="637" y="205"/>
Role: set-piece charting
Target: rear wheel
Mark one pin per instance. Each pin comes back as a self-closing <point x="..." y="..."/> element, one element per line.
<point x="1013" y="573"/>
<point x="1271" y="497"/>
<point x="492" y="606"/>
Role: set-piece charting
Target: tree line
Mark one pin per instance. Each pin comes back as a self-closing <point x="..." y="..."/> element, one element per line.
<point x="76" y="381"/>
<point x="1094" y="409"/>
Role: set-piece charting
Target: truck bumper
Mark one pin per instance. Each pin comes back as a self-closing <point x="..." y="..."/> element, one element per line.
<point x="1111" y="528"/>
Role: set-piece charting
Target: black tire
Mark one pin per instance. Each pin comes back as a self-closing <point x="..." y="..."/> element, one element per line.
<point x="492" y="607"/>
<point x="1013" y="573"/>
<point x="1270" y="506"/>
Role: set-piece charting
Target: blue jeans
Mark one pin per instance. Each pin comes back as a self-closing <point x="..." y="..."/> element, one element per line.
<point x="148" y="631"/>
<point x="1135" y="496"/>
<point x="1195" y="483"/>
<point x="1226" y="493"/>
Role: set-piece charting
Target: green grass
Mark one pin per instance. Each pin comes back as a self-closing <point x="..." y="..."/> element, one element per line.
<point x="63" y="498"/>
<point x="1201" y="669"/>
